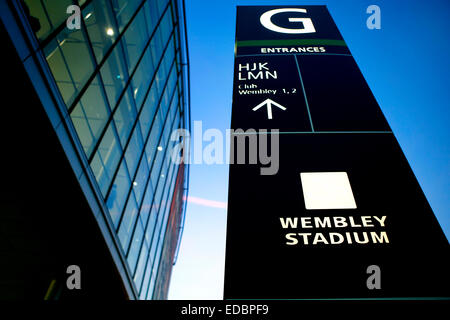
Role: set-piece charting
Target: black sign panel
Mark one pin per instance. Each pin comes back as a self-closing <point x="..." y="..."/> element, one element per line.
<point x="271" y="97"/>
<point x="343" y="215"/>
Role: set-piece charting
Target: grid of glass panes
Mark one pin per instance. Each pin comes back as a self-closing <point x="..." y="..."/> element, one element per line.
<point x="120" y="78"/>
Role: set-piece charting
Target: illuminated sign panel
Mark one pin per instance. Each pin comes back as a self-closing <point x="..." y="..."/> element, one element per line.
<point x="343" y="216"/>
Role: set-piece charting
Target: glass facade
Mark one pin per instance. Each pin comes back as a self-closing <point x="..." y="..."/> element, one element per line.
<point x="123" y="86"/>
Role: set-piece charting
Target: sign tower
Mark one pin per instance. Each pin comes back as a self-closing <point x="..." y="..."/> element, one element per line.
<point x="341" y="214"/>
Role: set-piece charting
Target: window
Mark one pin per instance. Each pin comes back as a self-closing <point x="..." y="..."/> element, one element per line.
<point x="70" y="62"/>
<point x="148" y="111"/>
<point x="168" y="92"/>
<point x="106" y="159"/>
<point x="124" y="117"/>
<point x="152" y="15"/>
<point x="152" y="143"/>
<point x="145" y="283"/>
<point x="90" y="116"/>
<point x="146" y="203"/>
<point x="135" y="39"/>
<point x="170" y="54"/>
<point x="156" y="232"/>
<point x="135" y="246"/>
<point x="50" y="14"/>
<point x="151" y="225"/>
<point x="124" y="11"/>
<point x="100" y="26"/>
<point x="141" y="266"/>
<point x="134" y="150"/>
<point x="173" y="107"/>
<point x="156" y="46"/>
<point x="141" y="78"/>
<point x="156" y="169"/>
<point x="160" y="78"/>
<point x="156" y="166"/>
<point x="127" y="223"/>
<point x="56" y="11"/>
<point x="155" y="237"/>
<point x="166" y="25"/>
<point x="152" y="286"/>
<point x="141" y="179"/>
<point x="118" y="194"/>
<point x="114" y="74"/>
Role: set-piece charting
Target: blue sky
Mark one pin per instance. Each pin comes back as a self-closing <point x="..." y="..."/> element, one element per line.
<point x="407" y="67"/>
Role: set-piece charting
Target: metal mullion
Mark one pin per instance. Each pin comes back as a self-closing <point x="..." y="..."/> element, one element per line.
<point x="149" y="178"/>
<point x="145" y="267"/>
<point x="181" y="97"/>
<point x="127" y="85"/>
<point x="140" y="159"/>
<point x="182" y="91"/>
<point x="170" y="181"/>
<point x="59" y="47"/>
<point x="133" y="127"/>
<point x="119" y="100"/>
<point x="187" y="119"/>
<point x="145" y="21"/>
<point x="46" y="15"/>
<point x="174" y="21"/>
<point x="105" y="97"/>
<point x="101" y="84"/>
<point x="102" y="89"/>
<point x="172" y="94"/>
<point x="183" y="111"/>
<point x="105" y="57"/>
<point x="180" y="85"/>
<point x="164" y="186"/>
<point x="116" y="24"/>
<point x="145" y="273"/>
<point x="151" y="167"/>
<point x="146" y="188"/>
<point x="89" y="126"/>
<point x="96" y="73"/>
<point x="133" y="272"/>
<point x="146" y="185"/>
<point x="187" y="64"/>
<point x="138" y="114"/>
<point x="108" y="122"/>
<point x="174" y="175"/>
<point x="166" y="183"/>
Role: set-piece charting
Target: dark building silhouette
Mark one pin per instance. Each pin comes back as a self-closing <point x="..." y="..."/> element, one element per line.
<point x="89" y="179"/>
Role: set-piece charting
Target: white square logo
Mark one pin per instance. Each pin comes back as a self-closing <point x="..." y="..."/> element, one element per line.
<point x="327" y="190"/>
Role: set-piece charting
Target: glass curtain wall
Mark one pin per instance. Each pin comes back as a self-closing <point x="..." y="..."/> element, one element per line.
<point x="120" y="78"/>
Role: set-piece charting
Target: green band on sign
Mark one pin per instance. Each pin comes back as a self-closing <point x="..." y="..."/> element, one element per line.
<point x="291" y="42"/>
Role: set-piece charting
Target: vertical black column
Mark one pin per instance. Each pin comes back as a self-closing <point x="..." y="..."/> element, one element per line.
<point x="343" y="216"/>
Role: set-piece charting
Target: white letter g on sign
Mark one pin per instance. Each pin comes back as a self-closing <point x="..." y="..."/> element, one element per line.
<point x="266" y="21"/>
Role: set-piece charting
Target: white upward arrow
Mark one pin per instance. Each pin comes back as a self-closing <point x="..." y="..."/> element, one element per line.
<point x="269" y="103"/>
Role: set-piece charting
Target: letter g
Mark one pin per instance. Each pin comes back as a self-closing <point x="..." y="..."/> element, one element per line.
<point x="266" y="21"/>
